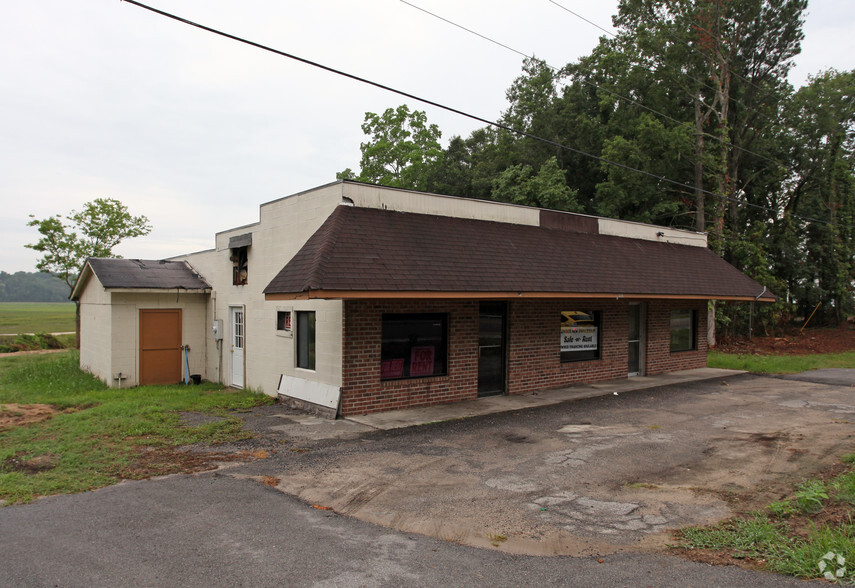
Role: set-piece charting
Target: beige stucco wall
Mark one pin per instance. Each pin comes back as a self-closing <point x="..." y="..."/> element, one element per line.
<point x="125" y="334"/>
<point x="109" y="323"/>
<point x="95" y="327"/>
<point x="284" y="226"/>
<point x="366" y="196"/>
<point x="620" y="228"/>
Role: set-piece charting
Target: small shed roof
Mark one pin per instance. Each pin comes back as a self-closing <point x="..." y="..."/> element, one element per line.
<point x="141" y="274"/>
<point x="362" y="252"/>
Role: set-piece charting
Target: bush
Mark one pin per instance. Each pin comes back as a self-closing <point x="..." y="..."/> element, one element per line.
<point x="32" y="343"/>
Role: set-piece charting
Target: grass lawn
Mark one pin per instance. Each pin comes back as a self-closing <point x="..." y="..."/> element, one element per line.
<point x="93" y="436"/>
<point x="36" y="317"/>
<point x="780" y="364"/>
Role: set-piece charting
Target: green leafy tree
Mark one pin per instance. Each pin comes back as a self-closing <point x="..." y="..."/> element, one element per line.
<point x="547" y="188"/>
<point x="66" y="242"/>
<point x="401" y="151"/>
<point x="726" y="62"/>
<point x="821" y="185"/>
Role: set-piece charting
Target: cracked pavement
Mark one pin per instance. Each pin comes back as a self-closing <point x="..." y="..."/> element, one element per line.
<point x="591" y="476"/>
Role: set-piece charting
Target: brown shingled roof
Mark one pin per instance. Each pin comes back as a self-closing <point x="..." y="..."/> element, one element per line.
<point x="358" y="251"/>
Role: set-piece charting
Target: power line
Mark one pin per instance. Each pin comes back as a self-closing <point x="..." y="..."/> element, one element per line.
<point x="615" y="36"/>
<point x="485" y="121"/>
<point x="592" y="84"/>
<point x="552" y="67"/>
<point x="649" y="18"/>
<point x="673" y="38"/>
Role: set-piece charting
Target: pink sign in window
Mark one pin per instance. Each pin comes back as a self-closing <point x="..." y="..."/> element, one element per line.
<point x="421" y="361"/>
<point x="391" y="368"/>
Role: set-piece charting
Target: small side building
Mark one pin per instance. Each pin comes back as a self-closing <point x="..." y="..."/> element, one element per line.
<point x="142" y="321"/>
<point x="353" y="298"/>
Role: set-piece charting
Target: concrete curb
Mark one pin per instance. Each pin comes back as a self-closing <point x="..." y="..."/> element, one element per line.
<point x="410" y="417"/>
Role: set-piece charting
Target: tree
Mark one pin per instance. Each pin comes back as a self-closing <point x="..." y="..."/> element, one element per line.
<point x="402" y="149"/>
<point x="32" y="287"/>
<point x="729" y="60"/>
<point x="94" y="231"/>
<point x="821" y="185"/>
<point x="519" y="184"/>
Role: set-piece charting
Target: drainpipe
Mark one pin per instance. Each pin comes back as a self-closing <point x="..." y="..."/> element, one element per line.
<point x="751" y="315"/>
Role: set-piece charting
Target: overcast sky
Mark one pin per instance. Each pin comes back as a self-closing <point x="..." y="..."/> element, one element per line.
<point x="100" y="98"/>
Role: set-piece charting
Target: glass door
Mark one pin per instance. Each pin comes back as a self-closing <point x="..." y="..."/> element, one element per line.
<point x="636" y="338"/>
<point x="492" y="348"/>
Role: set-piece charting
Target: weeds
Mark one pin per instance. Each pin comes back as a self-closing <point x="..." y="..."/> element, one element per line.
<point x="810" y="495"/>
<point x="32" y="342"/>
<point x="786" y="539"/>
<point x="497" y="539"/>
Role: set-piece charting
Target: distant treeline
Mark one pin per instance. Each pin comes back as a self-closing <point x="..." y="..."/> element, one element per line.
<point x="32" y="287"/>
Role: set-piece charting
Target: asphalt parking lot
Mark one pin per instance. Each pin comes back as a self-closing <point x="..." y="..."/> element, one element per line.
<point x="593" y="476"/>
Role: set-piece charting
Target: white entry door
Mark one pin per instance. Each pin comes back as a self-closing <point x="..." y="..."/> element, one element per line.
<point x="238" y="339"/>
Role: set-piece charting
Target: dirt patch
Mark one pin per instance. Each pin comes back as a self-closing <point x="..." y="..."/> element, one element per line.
<point x="33" y="465"/>
<point x="809" y="341"/>
<point x="161" y="461"/>
<point x="16" y="415"/>
<point x="724" y="557"/>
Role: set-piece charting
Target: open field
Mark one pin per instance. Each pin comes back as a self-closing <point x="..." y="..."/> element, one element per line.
<point x="36" y="317"/>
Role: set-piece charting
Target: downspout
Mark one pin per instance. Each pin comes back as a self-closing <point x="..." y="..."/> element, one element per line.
<point x="751" y="314"/>
<point x="217" y="342"/>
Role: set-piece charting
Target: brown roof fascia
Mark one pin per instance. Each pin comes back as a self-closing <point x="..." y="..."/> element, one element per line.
<point x="379" y="294"/>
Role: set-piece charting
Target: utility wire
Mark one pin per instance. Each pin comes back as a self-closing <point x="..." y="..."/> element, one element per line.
<point x="552" y="67"/>
<point x="485" y="121"/>
<point x="592" y="84"/>
<point x="672" y="37"/>
<point x="614" y="36"/>
<point x="676" y="39"/>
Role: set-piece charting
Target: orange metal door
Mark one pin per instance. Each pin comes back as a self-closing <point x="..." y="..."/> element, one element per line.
<point x="160" y="346"/>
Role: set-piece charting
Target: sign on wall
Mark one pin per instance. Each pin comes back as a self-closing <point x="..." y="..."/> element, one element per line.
<point x="580" y="335"/>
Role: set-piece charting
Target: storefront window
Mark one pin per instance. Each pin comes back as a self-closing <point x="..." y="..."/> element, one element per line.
<point x="683" y="330"/>
<point x="580" y="335"/>
<point x="414" y="346"/>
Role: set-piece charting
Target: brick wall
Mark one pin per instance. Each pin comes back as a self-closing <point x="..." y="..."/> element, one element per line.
<point x="363" y="392"/>
<point x="659" y="356"/>
<point x="534" y="360"/>
<point x="534" y="354"/>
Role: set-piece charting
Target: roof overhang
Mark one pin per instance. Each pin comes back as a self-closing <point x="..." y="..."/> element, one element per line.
<point x="159" y="290"/>
<point x="410" y="295"/>
<point x="81" y="281"/>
